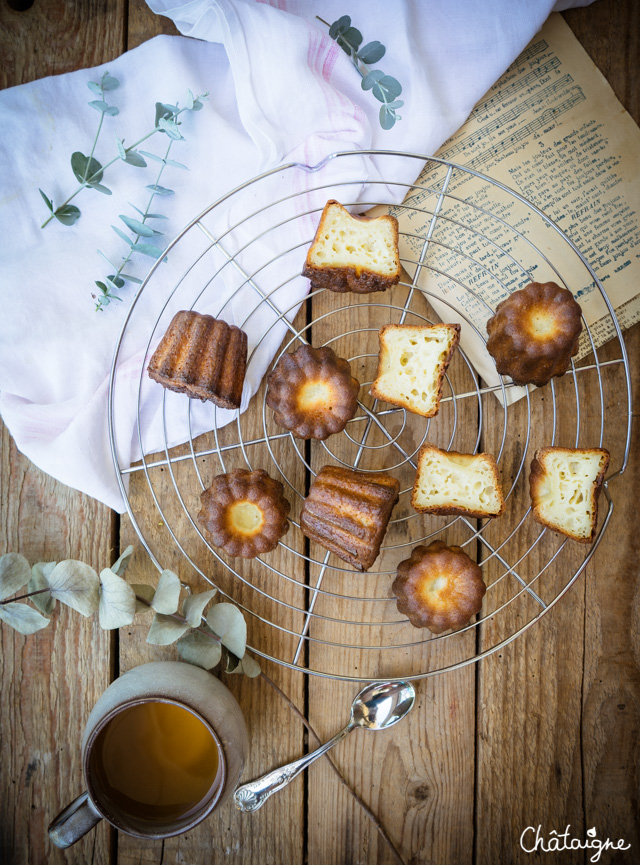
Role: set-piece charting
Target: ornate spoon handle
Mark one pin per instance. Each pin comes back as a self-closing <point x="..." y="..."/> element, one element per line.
<point x="251" y="796"/>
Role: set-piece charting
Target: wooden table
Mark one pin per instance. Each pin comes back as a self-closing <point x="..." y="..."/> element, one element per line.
<point x="547" y="732"/>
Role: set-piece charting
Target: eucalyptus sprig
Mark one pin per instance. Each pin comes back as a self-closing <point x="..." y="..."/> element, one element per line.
<point x="89" y="172"/>
<point x="385" y="88"/>
<point x="220" y="637"/>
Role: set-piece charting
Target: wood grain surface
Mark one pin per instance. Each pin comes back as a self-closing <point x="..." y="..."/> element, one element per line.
<point x="547" y="731"/>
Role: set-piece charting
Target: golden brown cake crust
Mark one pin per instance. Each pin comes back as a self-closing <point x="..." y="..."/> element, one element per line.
<point x="312" y="392"/>
<point x="204" y="357"/>
<point x="538" y="477"/>
<point x="439" y="587"/>
<point x="361" y="279"/>
<point x="244" y="512"/>
<point x="348" y="512"/>
<point x="534" y="333"/>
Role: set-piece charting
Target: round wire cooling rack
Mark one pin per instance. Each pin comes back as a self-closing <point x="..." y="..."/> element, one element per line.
<point x="465" y="241"/>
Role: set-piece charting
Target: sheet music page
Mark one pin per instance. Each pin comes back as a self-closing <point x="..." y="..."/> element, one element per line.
<point x="552" y="130"/>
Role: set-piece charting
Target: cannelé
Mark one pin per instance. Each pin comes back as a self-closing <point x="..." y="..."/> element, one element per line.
<point x="203" y="357"/>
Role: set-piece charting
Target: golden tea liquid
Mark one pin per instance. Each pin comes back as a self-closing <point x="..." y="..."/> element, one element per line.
<point x="155" y="761"/>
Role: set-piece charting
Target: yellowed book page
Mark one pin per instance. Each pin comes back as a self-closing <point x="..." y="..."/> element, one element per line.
<point x="552" y="130"/>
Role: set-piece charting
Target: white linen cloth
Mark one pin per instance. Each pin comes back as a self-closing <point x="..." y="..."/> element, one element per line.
<point x="280" y="90"/>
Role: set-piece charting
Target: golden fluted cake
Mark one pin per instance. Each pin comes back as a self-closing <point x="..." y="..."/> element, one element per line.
<point x="534" y="333"/>
<point x="439" y="587"/>
<point x="348" y="512"/>
<point x="312" y="392"/>
<point x="353" y="253"/>
<point x="202" y="356"/>
<point x="244" y="512"/>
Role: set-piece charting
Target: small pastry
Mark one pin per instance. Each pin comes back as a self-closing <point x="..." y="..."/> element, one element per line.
<point x="353" y="253"/>
<point x="244" y="512"/>
<point x="312" y="392"/>
<point x="348" y="511"/>
<point x="412" y="364"/>
<point x="201" y="356"/>
<point x="459" y="484"/>
<point x="565" y="484"/>
<point x="534" y="333"/>
<point x="439" y="587"/>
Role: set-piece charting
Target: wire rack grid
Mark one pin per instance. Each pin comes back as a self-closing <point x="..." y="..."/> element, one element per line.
<point x="465" y="243"/>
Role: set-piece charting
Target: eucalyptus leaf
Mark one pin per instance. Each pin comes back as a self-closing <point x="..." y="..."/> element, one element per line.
<point x="387" y="118"/>
<point x="15" y="572"/>
<point x="371" y="78"/>
<point x="85" y="168"/>
<point x="121" y="234"/>
<point x="137" y="209"/>
<point x="397" y="103"/>
<point x="160" y="190"/>
<point x="134" y="158"/>
<point x="109" y="82"/>
<point x="40" y="574"/>
<point x="340" y="26"/>
<point x="167" y="596"/>
<point x="77" y="585"/>
<point x="146" y="593"/>
<point x="99" y="105"/>
<point x="250" y="667"/>
<point x="353" y="36"/>
<point x="116" y="282"/>
<point x="154" y="157"/>
<point x="171" y="128"/>
<point x="94" y="87"/>
<point x="189" y="100"/>
<point x="371" y="52"/>
<point x="130" y="278"/>
<point x="164" y="111"/>
<point x="47" y="201"/>
<point x="156" y="216"/>
<point x="197" y="105"/>
<point x="117" y="601"/>
<point x="199" y="649"/>
<point x="122" y="153"/>
<point x="147" y="249"/>
<point x="165" y="630"/>
<point x="228" y="623"/>
<point x="193" y="606"/>
<point x="67" y="215"/>
<point x="99" y="187"/>
<point x="102" y="286"/>
<point x="100" y="252"/>
<point x="23" y="618"/>
<point x="175" y="164"/>
<point x="139" y="227"/>
<point x="122" y="562"/>
<point x="111" y="110"/>
<point x="387" y="89"/>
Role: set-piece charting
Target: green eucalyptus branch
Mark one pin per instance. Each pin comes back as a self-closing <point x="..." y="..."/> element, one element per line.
<point x="89" y="172"/>
<point x="385" y="88"/>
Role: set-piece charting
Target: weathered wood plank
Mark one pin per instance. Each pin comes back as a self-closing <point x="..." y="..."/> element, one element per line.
<point x="418" y="777"/>
<point x="51" y="679"/>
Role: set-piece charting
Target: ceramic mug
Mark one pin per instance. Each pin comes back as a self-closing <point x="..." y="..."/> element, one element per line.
<point x="171" y="683"/>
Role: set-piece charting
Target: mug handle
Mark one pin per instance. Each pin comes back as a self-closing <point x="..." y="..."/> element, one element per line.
<point x="75" y="821"/>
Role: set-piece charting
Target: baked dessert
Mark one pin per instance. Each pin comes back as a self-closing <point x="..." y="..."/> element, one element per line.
<point x="312" y="392"/>
<point x="353" y="253"/>
<point x="202" y="356"/>
<point x="412" y="363"/>
<point x="448" y="482"/>
<point x="244" y="512"/>
<point x="348" y="511"/>
<point x="438" y="587"/>
<point x="565" y="485"/>
<point x="534" y="333"/>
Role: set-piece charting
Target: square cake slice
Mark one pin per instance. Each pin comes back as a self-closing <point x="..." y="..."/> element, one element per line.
<point x="412" y="363"/>
<point x="353" y="253"/>
<point x="564" y="485"/>
<point x="448" y="482"/>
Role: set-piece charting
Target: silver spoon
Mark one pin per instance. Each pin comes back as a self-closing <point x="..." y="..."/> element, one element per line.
<point x="376" y="707"/>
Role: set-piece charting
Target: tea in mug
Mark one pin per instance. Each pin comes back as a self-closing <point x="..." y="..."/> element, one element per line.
<point x="155" y="761"/>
